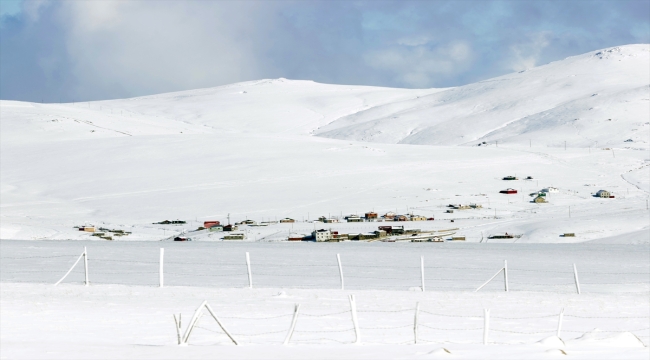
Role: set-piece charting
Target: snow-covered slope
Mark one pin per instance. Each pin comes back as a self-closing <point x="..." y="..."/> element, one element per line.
<point x="600" y="98"/>
<point x="248" y="150"/>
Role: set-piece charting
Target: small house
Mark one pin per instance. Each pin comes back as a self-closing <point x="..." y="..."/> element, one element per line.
<point x="230" y="227"/>
<point x="529" y="178"/>
<point x="508" y="191"/>
<point x="550" y="190"/>
<point x="371" y="216"/>
<point x="247" y="222"/>
<point x="182" y="238"/>
<point x="387" y="229"/>
<point x="321" y="235"/>
<point x="353" y="218"/>
<point x="418" y="218"/>
<point x="458" y="238"/>
<point x="603" y="194"/>
<point x="298" y="237"/>
<point x="389" y="215"/>
<point x="215" y="228"/>
<point x="287" y="220"/>
<point x="539" y="199"/>
<point x="397" y="230"/>
<point x="381" y="233"/>
<point x="210" y="223"/>
<point x="400" y="218"/>
<point x="235" y="236"/>
<point x="89" y="228"/>
<point x="510" y="178"/>
<point x="568" y="235"/>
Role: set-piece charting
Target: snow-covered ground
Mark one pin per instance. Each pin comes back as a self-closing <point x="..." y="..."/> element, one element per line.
<point x="123" y="314"/>
<point x="270" y="149"/>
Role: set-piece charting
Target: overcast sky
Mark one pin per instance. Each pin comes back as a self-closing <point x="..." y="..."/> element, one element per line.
<point x="87" y="50"/>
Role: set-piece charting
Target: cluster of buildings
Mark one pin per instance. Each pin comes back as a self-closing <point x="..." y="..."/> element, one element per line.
<point x="374" y="217"/>
<point x="383" y="233"/>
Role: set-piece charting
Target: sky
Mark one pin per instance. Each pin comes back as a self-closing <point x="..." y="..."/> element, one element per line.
<point x="63" y="51"/>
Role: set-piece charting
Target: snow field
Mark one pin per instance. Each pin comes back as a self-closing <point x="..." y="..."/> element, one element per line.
<point x="123" y="313"/>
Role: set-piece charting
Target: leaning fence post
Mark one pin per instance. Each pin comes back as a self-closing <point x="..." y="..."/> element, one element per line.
<point x="355" y="322"/>
<point x="160" y="270"/>
<point x="575" y="277"/>
<point x="66" y="274"/>
<point x="86" y="266"/>
<point x="415" y="322"/>
<point x="505" y="274"/>
<point x="177" y="323"/>
<point x="338" y="259"/>
<point x="486" y="325"/>
<point x="192" y="322"/>
<point x="559" y="322"/>
<point x="293" y="324"/>
<point x="485" y="283"/>
<point x="214" y="316"/>
<point x="422" y="271"/>
<point x="250" y="275"/>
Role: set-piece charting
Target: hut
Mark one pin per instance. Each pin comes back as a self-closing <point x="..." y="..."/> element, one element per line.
<point x="353" y="218"/>
<point x="539" y="199"/>
<point x="510" y="178"/>
<point x="508" y="191"/>
<point x="371" y="216"/>
<point x="210" y="223"/>
<point x="230" y="227"/>
<point x="235" y="236"/>
<point x="418" y="218"/>
<point x="215" y="228"/>
<point x="603" y="194"/>
<point x="287" y="220"/>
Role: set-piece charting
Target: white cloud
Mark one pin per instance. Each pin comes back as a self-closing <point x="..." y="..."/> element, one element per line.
<point x="526" y="55"/>
<point x="143" y="47"/>
<point x="420" y="65"/>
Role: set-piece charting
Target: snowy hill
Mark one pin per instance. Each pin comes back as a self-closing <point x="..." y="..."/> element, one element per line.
<point x="249" y="150"/>
<point x="597" y="99"/>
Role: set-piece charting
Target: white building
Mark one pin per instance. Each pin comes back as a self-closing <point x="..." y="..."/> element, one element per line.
<point x="322" y="235"/>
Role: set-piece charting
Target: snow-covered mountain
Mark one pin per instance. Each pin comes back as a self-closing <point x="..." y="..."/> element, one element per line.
<point x="600" y="98"/>
<point x="275" y="148"/>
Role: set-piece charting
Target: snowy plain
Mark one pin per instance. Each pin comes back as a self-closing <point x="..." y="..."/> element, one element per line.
<point x="270" y="149"/>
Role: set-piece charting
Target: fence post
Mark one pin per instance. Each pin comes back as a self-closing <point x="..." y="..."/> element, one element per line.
<point x="355" y="322"/>
<point x="422" y="271"/>
<point x="160" y="270"/>
<point x="177" y="323"/>
<point x="486" y="325"/>
<point x="338" y="259"/>
<point x="250" y="275"/>
<point x="559" y="322"/>
<point x="293" y="324"/>
<point x="505" y="274"/>
<point x="192" y="322"/>
<point x="485" y="283"/>
<point x="415" y="321"/>
<point x="575" y="277"/>
<point x="86" y="266"/>
<point x="214" y="316"/>
<point x="66" y="274"/>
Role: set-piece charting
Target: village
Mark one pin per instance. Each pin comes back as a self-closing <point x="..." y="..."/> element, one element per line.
<point x="390" y="226"/>
<point x="329" y="229"/>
